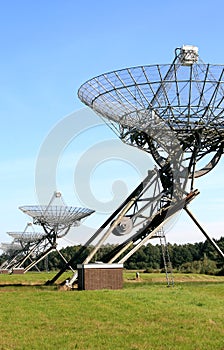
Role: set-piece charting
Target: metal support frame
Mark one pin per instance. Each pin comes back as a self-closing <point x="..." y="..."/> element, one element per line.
<point x="127" y="204"/>
<point x="152" y="227"/>
<point x="144" y="213"/>
<point x="214" y="244"/>
<point x="43" y="248"/>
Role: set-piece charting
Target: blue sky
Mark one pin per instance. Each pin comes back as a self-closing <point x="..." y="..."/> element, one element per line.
<point x="49" y="48"/>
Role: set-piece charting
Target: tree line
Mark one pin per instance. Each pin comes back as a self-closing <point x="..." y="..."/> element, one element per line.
<point x="187" y="258"/>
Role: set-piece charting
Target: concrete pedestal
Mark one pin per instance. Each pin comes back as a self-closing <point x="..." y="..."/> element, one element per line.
<point x="100" y="276"/>
<point x="18" y="271"/>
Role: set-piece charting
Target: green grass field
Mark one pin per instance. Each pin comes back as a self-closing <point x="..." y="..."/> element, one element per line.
<point x="145" y="314"/>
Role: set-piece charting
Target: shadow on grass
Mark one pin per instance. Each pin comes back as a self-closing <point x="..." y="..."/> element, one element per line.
<point x="27" y="286"/>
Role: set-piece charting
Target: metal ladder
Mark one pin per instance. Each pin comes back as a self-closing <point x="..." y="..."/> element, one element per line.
<point x="166" y="257"/>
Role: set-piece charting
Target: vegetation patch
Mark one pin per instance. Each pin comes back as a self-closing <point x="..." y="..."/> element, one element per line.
<point x="143" y="315"/>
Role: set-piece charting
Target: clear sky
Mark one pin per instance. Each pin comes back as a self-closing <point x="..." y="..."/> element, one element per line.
<point x="48" y="49"/>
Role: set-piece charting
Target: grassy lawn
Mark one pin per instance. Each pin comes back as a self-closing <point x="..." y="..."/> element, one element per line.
<point x="145" y="314"/>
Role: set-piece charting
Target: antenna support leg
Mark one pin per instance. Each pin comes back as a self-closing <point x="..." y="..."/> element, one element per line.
<point x="219" y="251"/>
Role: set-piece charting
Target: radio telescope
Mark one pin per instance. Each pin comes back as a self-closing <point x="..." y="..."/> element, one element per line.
<point x="28" y="243"/>
<point x="56" y="221"/>
<point x="10" y="248"/>
<point x="175" y="112"/>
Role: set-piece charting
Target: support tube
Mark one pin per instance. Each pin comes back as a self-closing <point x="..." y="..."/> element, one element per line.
<point x="219" y="251"/>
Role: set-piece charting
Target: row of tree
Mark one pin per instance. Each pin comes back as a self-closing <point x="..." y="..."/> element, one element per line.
<point x="197" y="258"/>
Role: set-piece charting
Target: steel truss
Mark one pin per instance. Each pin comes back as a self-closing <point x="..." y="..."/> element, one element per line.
<point x="175" y="113"/>
<point x="135" y="221"/>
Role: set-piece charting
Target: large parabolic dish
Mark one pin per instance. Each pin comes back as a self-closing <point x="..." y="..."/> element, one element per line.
<point x="185" y="97"/>
<point x="56" y="217"/>
<point x="26" y="237"/>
